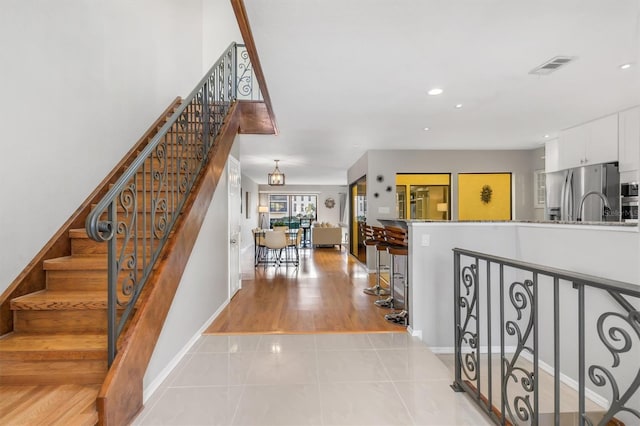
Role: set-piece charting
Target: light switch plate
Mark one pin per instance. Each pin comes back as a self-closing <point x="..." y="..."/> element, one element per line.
<point x="426" y="240"/>
<point x="383" y="210"/>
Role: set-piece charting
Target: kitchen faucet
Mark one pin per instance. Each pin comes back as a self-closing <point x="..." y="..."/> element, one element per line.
<point x="607" y="208"/>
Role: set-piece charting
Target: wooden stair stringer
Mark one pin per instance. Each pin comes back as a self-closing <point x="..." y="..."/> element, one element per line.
<point x="120" y="397"/>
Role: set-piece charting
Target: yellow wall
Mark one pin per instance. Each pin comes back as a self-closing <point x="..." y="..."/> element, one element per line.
<point x="470" y="205"/>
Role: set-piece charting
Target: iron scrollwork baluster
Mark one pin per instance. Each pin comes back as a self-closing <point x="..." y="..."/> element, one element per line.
<point x="618" y="341"/>
<point x="521" y="408"/>
<point x="245" y="75"/>
<point x="469" y="336"/>
<point x="128" y="202"/>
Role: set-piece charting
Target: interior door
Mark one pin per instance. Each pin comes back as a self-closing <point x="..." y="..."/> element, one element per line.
<point x="235" y="197"/>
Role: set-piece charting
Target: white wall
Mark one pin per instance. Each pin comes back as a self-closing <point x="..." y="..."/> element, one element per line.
<point x="218" y="31"/>
<point x="358" y="169"/>
<point x="204" y="288"/>
<point x="601" y="251"/>
<point x="431" y="270"/>
<point x="81" y="81"/>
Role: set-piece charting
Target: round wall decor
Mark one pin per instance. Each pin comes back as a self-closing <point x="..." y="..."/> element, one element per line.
<point x="329" y="203"/>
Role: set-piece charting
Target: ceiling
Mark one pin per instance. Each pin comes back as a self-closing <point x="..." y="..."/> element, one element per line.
<point x="348" y="76"/>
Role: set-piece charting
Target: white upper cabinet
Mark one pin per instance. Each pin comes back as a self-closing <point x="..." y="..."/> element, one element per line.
<point x="629" y="140"/>
<point x="602" y="145"/>
<point x="591" y="143"/>
<point x="571" y="147"/>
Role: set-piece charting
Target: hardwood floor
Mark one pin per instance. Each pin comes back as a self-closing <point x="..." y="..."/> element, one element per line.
<point x="49" y="405"/>
<point x="324" y="294"/>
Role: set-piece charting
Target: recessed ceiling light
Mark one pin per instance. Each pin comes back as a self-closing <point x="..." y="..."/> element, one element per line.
<point x="435" y="91"/>
<point x="546" y="136"/>
<point x="426" y="129"/>
<point x="458" y="106"/>
<point x="625" y="66"/>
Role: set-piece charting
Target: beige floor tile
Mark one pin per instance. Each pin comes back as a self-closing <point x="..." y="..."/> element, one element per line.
<point x="362" y="404"/>
<point x="331" y="342"/>
<point x="393" y="340"/>
<point x="230" y="344"/>
<point x="287" y="342"/>
<point x="214" y="369"/>
<point x="434" y="403"/>
<point x="283" y="368"/>
<point x="195" y="406"/>
<point x="350" y="366"/>
<point x="295" y="405"/>
<point x="415" y="363"/>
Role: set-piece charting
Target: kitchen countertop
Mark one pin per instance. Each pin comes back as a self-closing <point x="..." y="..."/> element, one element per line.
<point x="402" y="222"/>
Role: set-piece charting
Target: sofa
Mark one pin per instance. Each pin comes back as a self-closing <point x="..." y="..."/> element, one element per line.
<point x="324" y="234"/>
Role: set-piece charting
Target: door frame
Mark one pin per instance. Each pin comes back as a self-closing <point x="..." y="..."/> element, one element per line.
<point x="233" y="211"/>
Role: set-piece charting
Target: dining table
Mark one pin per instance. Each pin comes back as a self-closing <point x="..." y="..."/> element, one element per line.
<point x="260" y="252"/>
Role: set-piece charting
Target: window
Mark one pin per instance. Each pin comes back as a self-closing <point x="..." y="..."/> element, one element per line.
<point x="278" y="204"/>
<point x="539" y="192"/>
<point x="288" y="210"/>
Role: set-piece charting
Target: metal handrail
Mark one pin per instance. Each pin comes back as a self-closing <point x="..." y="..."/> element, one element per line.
<point x="563" y="274"/>
<point x="93" y="222"/>
<point x="481" y="287"/>
<point x="150" y="194"/>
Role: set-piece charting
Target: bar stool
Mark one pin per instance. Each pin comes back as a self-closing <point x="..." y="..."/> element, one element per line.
<point x="397" y="245"/>
<point x="376" y="239"/>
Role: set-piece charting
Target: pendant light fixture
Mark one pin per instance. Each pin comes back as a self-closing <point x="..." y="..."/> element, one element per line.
<point x="276" y="177"/>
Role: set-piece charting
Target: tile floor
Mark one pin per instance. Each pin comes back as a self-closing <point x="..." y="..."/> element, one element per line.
<point x="320" y="379"/>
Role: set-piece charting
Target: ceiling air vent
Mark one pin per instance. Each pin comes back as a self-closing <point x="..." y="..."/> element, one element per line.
<point x="552" y="65"/>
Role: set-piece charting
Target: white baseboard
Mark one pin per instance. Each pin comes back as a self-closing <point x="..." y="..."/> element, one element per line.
<point x="155" y="384"/>
<point x="415" y="333"/>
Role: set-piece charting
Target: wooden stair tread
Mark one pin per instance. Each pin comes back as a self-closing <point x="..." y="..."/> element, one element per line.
<point x="36" y="347"/>
<point x="68" y="404"/>
<point x="61" y="300"/>
<point x="88" y="262"/>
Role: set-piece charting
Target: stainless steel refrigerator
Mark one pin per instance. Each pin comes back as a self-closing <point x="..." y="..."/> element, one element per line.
<point x="566" y="190"/>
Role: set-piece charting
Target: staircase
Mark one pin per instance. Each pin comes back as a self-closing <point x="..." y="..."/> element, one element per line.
<point x="60" y="361"/>
<point x="55" y="359"/>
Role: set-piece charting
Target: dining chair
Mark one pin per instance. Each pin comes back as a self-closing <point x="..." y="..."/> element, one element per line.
<point x="294" y="242"/>
<point x="260" y="248"/>
<point x="276" y="241"/>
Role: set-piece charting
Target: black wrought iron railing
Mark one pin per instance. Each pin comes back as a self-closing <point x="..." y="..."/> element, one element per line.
<point x="541" y="346"/>
<point x="139" y="211"/>
<point x="248" y="87"/>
